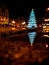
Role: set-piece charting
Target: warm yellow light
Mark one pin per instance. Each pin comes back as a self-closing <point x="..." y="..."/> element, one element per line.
<point x="46" y="36"/>
<point x="1" y="19"/>
<point x="13" y="22"/>
<point x="47" y="29"/>
<point x="4" y="19"/>
<point x="23" y="28"/>
<point x="47" y="8"/>
<point x="23" y="22"/>
<point x="31" y="44"/>
<point x="46" y="45"/>
<point x="44" y="26"/>
<point x="46" y="19"/>
<point x="47" y="23"/>
<point x="13" y="28"/>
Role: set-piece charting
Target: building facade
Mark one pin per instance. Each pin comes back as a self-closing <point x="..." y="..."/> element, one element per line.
<point x="46" y="21"/>
<point x="4" y="16"/>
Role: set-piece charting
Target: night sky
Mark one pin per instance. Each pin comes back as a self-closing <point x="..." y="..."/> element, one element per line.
<point x="22" y="8"/>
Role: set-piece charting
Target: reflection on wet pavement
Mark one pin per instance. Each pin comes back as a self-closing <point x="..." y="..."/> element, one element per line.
<point x="18" y="51"/>
<point x="31" y="36"/>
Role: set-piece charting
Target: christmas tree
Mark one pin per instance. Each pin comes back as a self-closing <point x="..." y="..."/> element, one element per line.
<point x="32" y="20"/>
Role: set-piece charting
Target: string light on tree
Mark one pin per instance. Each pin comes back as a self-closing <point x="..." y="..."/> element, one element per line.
<point x="32" y="20"/>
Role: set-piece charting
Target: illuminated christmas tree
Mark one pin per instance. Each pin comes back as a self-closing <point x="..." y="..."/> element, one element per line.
<point x="32" y="20"/>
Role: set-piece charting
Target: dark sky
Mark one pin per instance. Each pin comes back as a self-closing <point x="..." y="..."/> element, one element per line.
<point x="22" y="8"/>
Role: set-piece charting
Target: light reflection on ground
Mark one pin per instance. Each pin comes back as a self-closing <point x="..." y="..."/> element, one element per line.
<point x="20" y="52"/>
<point x="15" y="53"/>
<point x="31" y="36"/>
